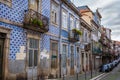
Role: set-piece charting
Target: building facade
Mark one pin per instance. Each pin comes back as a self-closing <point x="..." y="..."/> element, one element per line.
<point x="39" y="38"/>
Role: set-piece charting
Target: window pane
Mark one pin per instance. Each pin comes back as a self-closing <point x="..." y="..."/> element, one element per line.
<point x="31" y="43"/>
<point x="63" y="56"/>
<point x="77" y="24"/>
<point x="72" y="23"/>
<point x="30" y="58"/>
<point x="36" y="43"/>
<point x="35" y="57"/>
<point x="54" y="59"/>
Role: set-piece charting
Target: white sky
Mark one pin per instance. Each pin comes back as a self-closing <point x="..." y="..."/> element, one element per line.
<point x="110" y="11"/>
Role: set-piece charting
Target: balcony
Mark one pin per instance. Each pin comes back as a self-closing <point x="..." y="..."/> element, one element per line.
<point x="88" y="47"/>
<point x="74" y="35"/>
<point x="97" y="50"/>
<point x="36" y="21"/>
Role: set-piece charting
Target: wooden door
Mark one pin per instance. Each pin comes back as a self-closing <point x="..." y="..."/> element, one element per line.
<point x="72" y="61"/>
<point x="54" y="58"/>
<point x="2" y="37"/>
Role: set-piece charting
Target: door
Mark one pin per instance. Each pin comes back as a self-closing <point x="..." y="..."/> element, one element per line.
<point x="33" y="50"/>
<point x="82" y="61"/>
<point x="64" y="59"/>
<point x="72" y="61"/>
<point x="54" y="59"/>
<point x="78" y="59"/>
<point x="2" y="36"/>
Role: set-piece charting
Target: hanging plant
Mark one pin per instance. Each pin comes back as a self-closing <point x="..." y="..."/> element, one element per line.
<point x="77" y="31"/>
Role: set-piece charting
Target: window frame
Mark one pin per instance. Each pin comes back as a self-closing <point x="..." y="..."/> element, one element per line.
<point x="55" y="9"/>
<point x="33" y="49"/>
<point x="33" y="36"/>
<point x="63" y="25"/>
<point x="6" y="2"/>
<point x="54" y="66"/>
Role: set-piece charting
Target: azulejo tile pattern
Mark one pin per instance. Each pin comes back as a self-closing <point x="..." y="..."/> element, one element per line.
<point x="18" y="34"/>
<point x="14" y="13"/>
<point x="17" y="39"/>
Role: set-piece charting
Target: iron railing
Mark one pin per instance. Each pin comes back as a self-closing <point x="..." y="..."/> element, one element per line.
<point x="74" y="36"/>
<point x="33" y="20"/>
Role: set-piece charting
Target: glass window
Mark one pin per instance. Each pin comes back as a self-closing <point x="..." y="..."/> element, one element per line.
<point x="64" y="19"/>
<point x="72" y="22"/>
<point x="30" y="58"/>
<point x="64" y="49"/>
<point x="33" y="51"/>
<point x="35" y="57"/>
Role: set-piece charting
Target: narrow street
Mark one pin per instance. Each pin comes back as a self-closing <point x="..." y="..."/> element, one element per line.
<point x="113" y="75"/>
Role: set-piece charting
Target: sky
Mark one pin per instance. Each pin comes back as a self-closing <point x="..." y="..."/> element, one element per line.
<point x="110" y="11"/>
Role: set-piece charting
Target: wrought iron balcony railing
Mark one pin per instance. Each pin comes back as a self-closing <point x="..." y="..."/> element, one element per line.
<point x="36" y="21"/>
<point x="74" y="36"/>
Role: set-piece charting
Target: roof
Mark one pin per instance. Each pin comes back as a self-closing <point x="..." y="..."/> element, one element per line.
<point x="72" y="6"/>
<point x="84" y="8"/>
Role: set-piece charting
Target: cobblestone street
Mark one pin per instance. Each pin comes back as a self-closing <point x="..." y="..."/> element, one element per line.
<point x="114" y="75"/>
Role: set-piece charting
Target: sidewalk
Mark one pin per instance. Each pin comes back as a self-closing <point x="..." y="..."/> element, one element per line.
<point x="84" y="76"/>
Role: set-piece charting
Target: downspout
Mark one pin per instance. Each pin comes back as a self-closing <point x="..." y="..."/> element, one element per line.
<point x="60" y="40"/>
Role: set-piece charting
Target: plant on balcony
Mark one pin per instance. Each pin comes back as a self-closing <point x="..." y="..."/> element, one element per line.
<point x="36" y="22"/>
<point x="77" y="31"/>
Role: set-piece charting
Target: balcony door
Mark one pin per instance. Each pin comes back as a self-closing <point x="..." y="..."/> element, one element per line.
<point x="35" y="5"/>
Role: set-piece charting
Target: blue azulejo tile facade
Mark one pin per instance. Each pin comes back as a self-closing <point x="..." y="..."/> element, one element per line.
<point x="33" y="48"/>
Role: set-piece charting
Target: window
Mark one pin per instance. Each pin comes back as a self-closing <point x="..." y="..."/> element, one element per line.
<point x="54" y="13"/>
<point x="64" y="53"/>
<point x="54" y="54"/>
<point x="72" y="22"/>
<point x="64" y="19"/>
<point x="33" y="51"/>
<point x="78" y="24"/>
<point x="7" y="2"/>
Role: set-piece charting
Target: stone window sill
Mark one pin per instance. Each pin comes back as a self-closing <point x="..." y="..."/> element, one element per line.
<point x="7" y="2"/>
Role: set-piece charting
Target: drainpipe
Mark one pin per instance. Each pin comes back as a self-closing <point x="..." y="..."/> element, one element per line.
<point x="60" y="40"/>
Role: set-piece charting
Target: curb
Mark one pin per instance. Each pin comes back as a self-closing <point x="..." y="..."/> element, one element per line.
<point x="97" y="77"/>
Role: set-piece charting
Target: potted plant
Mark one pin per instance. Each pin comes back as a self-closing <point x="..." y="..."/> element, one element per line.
<point x="36" y="22"/>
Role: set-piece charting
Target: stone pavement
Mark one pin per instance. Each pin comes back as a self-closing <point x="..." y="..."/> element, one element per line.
<point x="113" y="75"/>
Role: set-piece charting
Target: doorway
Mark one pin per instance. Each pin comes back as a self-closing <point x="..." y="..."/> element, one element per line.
<point x="54" y="58"/>
<point x="2" y="38"/>
<point x="33" y="51"/>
